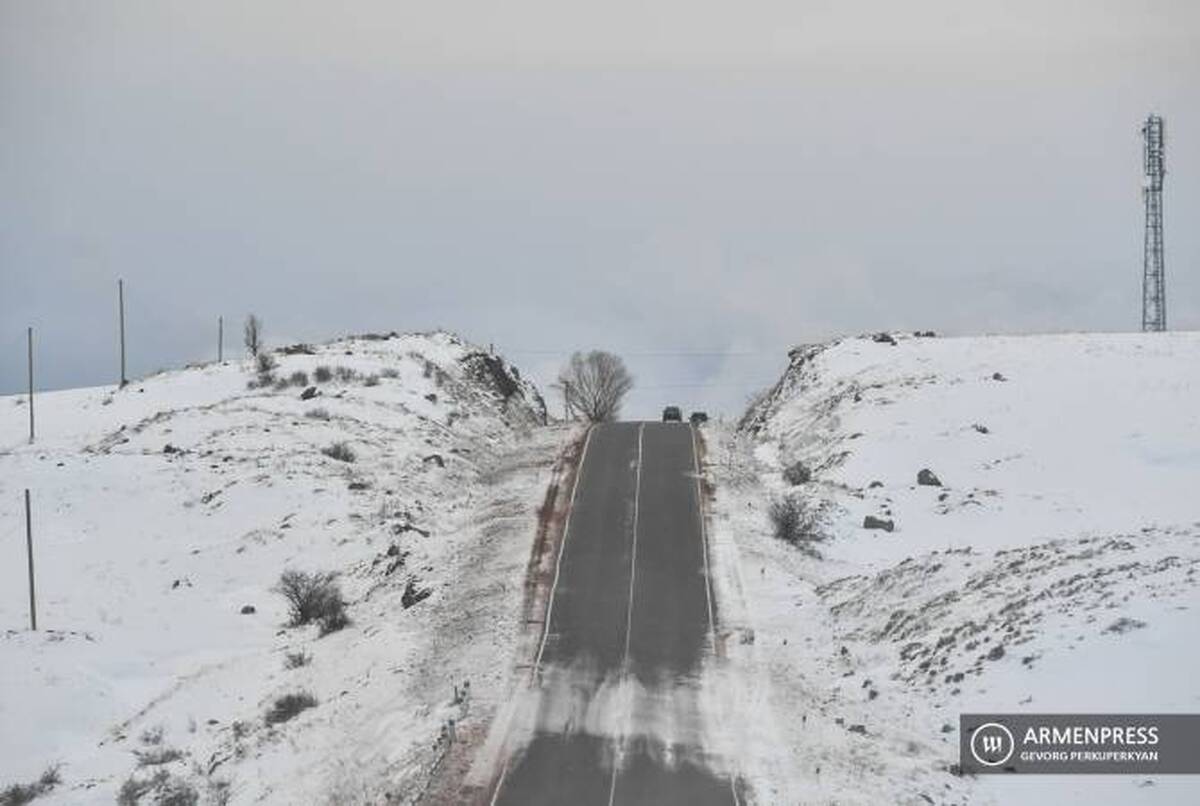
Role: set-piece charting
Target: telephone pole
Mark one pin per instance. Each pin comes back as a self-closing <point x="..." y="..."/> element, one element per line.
<point x="121" y="314"/>
<point x="29" y="550"/>
<point x="30" y="334"/>
<point x="1154" y="295"/>
<point x="220" y="339"/>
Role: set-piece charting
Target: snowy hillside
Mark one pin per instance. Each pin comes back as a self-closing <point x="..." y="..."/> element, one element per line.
<point x="1050" y="563"/>
<point x="164" y="513"/>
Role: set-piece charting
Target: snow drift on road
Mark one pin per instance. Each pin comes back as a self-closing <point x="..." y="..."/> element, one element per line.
<point x="1052" y="567"/>
<point x="164" y="510"/>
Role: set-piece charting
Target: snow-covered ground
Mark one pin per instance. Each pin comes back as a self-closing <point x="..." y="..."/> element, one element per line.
<point x="1054" y="569"/>
<point x="163" y="510"/>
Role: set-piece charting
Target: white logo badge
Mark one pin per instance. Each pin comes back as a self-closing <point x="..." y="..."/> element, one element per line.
<point x="992" y="744"/>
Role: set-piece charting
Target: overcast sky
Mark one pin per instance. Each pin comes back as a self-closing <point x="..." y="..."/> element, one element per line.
<point x="657" y="178"/>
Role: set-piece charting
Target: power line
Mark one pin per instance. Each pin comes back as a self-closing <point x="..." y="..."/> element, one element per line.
<point x="657" y="353"/>
<point x="743" y="385"/>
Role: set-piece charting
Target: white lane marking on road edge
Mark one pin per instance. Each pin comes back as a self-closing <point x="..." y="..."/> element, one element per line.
<point x="499" y="784"/>
<point x="637" y="494"/>
<point x="712" y="628"/>
<point x="537" y="664"/>
<point x="553" y="587"/>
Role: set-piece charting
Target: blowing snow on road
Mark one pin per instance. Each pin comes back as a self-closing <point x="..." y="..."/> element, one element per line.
<point x="615" y="712"/>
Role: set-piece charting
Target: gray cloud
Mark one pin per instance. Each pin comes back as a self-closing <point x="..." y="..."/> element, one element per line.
<point x="693" y="178"/>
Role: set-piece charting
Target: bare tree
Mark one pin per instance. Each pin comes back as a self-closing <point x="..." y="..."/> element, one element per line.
<point x="593" y="384"/>
<point x="253" y="335"/>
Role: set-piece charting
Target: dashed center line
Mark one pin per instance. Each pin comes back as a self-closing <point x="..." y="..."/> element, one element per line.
<point x="637" y="493"/>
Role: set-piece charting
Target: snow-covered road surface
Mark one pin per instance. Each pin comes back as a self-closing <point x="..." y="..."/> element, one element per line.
<point x="616" y="714"/>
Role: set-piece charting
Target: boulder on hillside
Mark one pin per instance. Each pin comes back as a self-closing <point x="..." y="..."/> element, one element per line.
<point x="413" y="593"/>
<point x="927" y="478"/>
<point x="886" y="524"/>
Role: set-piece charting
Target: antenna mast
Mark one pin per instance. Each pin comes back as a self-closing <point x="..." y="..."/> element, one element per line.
<point x="1154" y="295"/>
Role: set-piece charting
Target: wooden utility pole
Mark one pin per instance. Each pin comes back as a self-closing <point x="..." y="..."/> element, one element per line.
<point x="30" y="333"/>
<point x="29" y="549"/>
<point x="220" y="339"/>
<point x="121" y="310"/>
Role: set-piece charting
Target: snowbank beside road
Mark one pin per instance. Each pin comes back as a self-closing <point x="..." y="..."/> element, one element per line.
<point x="163" y="510"/>
<point x="1053" y="567"/>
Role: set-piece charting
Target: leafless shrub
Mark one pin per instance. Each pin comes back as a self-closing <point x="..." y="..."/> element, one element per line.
<point x="797" y="521"/>
<point x="168" y="790"/>
<point x="177" y="792"/>
<point x="594" y="384"/>
<point x="134" y="788"/>
<point x="289" y="706"/>
<point x="345" y="374"/>
<point x="298" y="378"/>
<point x="294" y="660"/>
<point x="19" y="794"/>
<point x="391" y="508"/>
<point x="252" y="335"/>
<point x="157" y="756"/>
<point x="264" y="366"/>
<point x="797" y="473"/>
<point x="340" y="451"/>
<point x="371" y="380"/>
<point x="152" y="737"/>
<point x="281" y="384"/>
<point x="306" y="594"/>
<point x="317" y="414"/>
<point x="298" y="349"/>
<point x="313" y="597"/>
<point x="218" y="791"/>
<point x="390" y="372"/>
<point x="1124" y="624"/>
<point x="756" y="402"/>
<point x="334" y="620"/>
<point x="323" y="374"/>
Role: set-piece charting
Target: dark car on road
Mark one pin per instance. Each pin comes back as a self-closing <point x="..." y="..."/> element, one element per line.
<point x="672" y="414"/>
<point x="699" y="417"/>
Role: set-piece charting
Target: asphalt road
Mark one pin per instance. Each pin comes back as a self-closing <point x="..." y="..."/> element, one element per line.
<point x="630" y="622"/>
